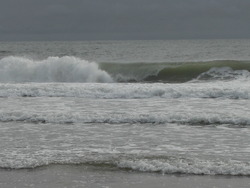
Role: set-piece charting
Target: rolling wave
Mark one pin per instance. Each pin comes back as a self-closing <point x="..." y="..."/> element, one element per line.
<point x="73" y="69"/>
<point x="177" y="72"/>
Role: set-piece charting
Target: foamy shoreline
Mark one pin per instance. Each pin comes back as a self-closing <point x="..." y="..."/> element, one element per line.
<point x="82" y="176"/>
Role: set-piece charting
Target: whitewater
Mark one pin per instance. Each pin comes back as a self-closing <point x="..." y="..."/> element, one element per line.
<point x="161" y="107"/>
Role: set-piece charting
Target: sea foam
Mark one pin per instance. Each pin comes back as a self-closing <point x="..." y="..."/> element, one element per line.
<point x="152" y="164"/>
<point x="188" y="166"/>
<point x="69" y="117"/>
<point x="224" y="73"/>
<point x="228" y="90"/>
<point x="52" y="69"/>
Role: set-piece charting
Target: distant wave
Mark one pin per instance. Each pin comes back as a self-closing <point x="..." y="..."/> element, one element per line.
<point x="73" y="69"/>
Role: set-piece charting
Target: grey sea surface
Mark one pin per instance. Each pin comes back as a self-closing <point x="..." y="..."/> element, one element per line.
<point x="127" y="113"/>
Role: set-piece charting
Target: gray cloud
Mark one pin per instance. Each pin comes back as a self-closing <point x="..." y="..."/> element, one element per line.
<point x="123" y="19"/>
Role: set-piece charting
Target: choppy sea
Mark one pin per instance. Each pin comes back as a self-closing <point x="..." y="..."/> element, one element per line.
<point x="169" y="107"/>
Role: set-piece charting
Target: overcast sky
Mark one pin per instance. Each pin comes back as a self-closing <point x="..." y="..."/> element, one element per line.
<point x="123" y="19"/>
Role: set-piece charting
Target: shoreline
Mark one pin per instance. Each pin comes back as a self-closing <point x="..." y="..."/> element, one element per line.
<point x="89" y="176"/>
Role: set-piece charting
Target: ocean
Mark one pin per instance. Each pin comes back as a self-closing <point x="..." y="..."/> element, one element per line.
<point x="124" y="109"/>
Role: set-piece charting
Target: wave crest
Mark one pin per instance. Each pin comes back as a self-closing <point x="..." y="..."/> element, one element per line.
<point x="52" y="69"/>
<point x="223" y="73"/>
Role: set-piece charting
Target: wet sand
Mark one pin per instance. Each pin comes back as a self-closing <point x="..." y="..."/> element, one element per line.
<point x="82" y="176"/>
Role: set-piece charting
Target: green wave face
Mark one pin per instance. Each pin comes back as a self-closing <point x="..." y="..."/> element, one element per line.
<point x="167" y="72"/>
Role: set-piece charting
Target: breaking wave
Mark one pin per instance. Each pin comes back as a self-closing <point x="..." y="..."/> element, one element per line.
<point x="73" y="69"/>
<point x="52" y="69"/>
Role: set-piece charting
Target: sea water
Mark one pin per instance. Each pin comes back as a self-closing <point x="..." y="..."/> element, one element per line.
<point x="169" y="107"/>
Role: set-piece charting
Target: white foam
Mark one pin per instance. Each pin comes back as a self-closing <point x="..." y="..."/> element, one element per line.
<point x="188" y="166"/>
<point x="52" y="69"/>
<point x="167" y="165"/>
<point x="228" y="90"/>
<point x="224" y="73"/>
<point x="182" y="117"/>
